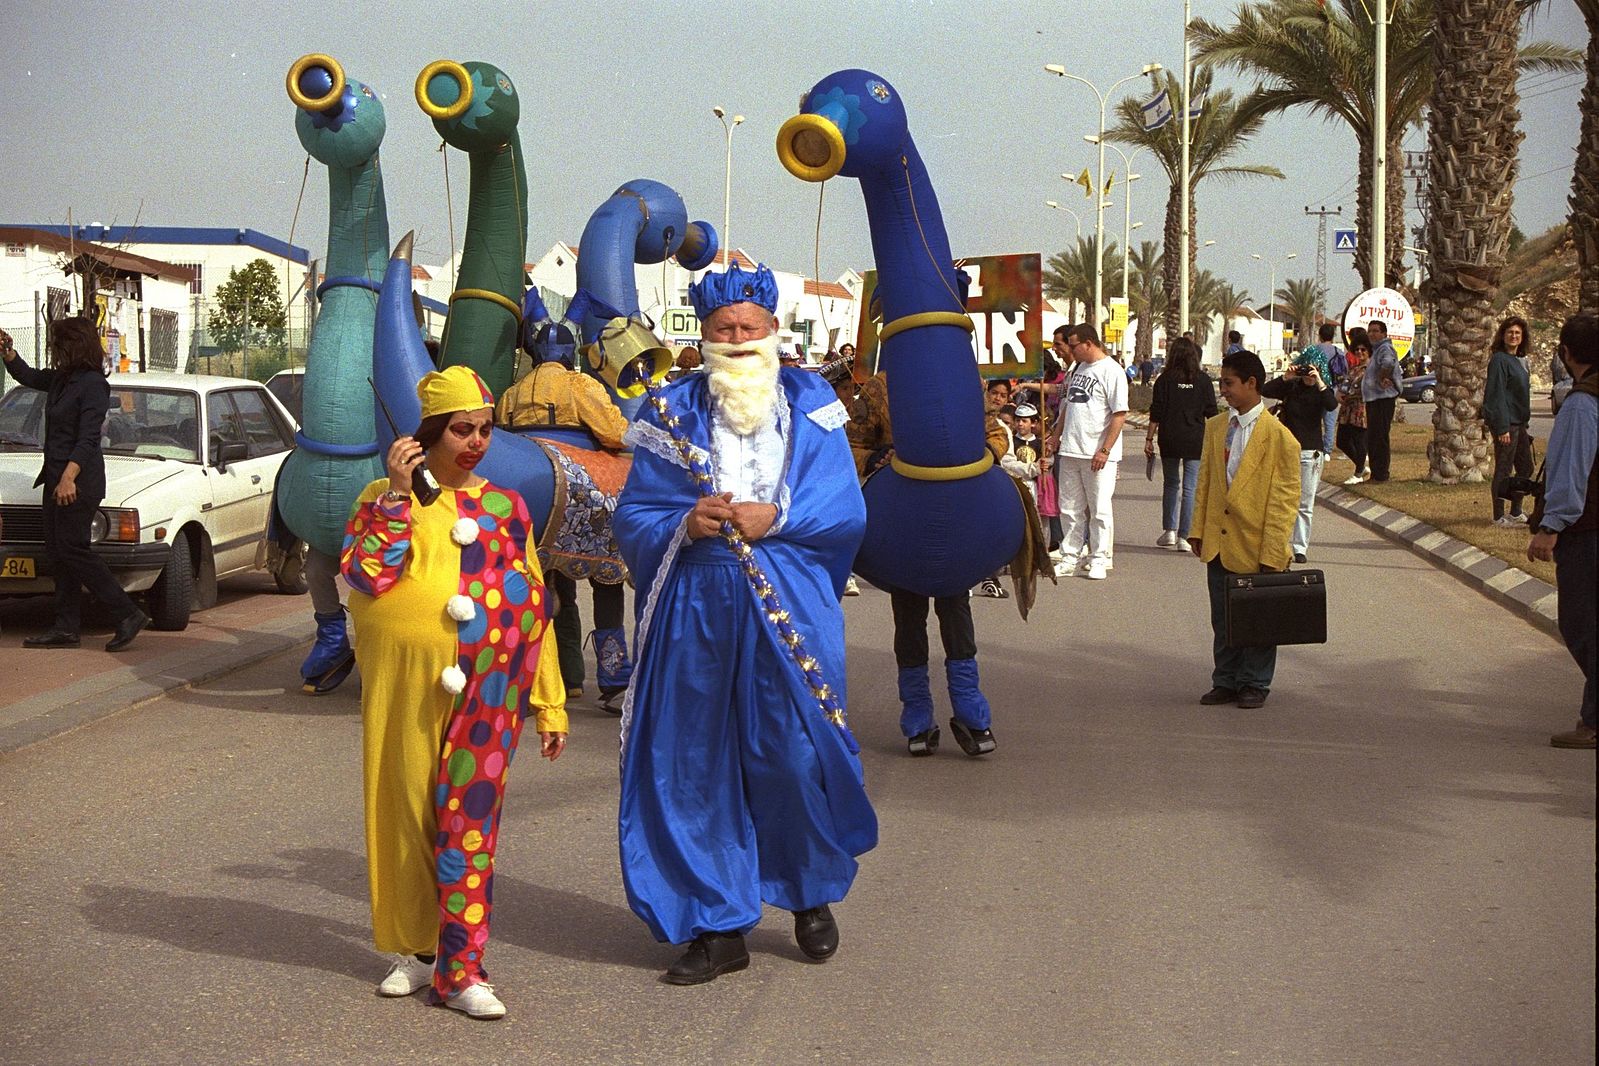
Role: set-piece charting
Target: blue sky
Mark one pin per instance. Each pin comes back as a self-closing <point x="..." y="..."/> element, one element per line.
<point x="180" y="107"/>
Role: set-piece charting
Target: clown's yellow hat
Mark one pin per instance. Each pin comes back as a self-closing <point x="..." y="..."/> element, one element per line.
<point x="456" y="388"/>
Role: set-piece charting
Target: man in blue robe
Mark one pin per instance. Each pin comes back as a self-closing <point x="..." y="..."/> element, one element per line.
<point x="736" y="789"/>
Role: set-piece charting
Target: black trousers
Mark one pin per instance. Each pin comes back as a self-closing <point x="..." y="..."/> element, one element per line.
<point x="66" y="541"/>
<point x="1379" y="424"/>
<point x="1515" y="457"/>
<point x="1576" y="570"/>
<point x="910" y="627"/>
<point x="1352" y="442"/>
<point x="608" y="612"/>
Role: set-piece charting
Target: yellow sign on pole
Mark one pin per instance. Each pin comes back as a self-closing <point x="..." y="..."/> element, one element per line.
<point x="1118" y="314"/>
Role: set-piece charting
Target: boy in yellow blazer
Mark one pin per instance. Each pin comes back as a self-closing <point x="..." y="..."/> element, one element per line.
<point x="1244" y="512"/>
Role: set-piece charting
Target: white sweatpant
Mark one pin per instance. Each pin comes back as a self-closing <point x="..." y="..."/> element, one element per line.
<point x="1085" y="508"/>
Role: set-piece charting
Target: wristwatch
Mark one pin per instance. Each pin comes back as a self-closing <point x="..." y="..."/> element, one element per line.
<point x="1546" y="529"/>
<point x="394" y="497"/>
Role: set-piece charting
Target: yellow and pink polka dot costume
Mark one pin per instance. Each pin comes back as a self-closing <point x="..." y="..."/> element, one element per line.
<point x="450" y="617"/>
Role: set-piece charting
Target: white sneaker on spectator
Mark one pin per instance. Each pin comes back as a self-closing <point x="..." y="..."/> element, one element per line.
<point x="477" y="1001"/>
<point x="1506" y="522"/>
<point x="408" y="974"/>
<point x="1065" y="569"/>
<point x="1167" y="538"/>
<point x="1096" y="572"/>
<point x="1183" y="545"/>
<point x="1353" y="479"/>
<point x="1517" y="519"/>
<point x="851" y="588"/>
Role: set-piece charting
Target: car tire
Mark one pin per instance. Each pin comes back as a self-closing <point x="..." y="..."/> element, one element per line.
<point x="171" y="598"/>
<point x="1428" y="395"/>
<point x="290" y="572"/>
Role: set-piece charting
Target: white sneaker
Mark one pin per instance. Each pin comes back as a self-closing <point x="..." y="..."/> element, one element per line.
<point x="1506" y="522"/>
<point x="408" y="974"/>
<point x="1183" y="545"/>
<point x="1353" y="479"/>
<point x="1517" y="519"/>
<point x="477" y="1001"/>
<point x="1065" y="569"/>
<point x="1167" y="538"/>
<point x="1096" y="572"/>
<point x="851" y="588"/>
<point x="1058" y="554"/>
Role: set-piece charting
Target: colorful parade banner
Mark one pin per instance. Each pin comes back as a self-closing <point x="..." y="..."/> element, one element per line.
<point x="1006" y="303"/>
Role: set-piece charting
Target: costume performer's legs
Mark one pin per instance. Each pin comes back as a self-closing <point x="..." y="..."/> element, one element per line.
<point x="734" y="789"/>
<point x="568" y="628"/>
<point x="478" y="747"/>
<point x="331" y="657"/>
<point x="910" y="652"/>
<point x="613" y="666"/>
<point x="960" y="660"/>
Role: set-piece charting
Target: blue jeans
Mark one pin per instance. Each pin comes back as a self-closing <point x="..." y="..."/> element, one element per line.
<point x="1329" y="431"/>
<point x="1180" y="475"/>
<point x="1310" y="466"/>
<point x="1236" y="668"/>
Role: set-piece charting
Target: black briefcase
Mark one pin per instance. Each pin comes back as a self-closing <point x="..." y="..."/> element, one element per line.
<point x="1271" y="609"/>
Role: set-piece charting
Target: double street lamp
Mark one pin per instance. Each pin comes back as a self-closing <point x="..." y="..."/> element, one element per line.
<point x="1128" y="225"/>
<point x="1077" y="219"/>
<point x="1271" y="300"/>
<point x="727" y="179"/>
<point x="1099" y="182"/>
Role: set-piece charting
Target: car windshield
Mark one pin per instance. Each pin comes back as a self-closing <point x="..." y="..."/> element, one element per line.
<point x="158" y="423"/>
<point x="21" y="419"/>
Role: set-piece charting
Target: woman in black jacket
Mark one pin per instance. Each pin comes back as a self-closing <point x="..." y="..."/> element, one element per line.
<point x="1184" y="398"/>
<point x="73" y="478"/>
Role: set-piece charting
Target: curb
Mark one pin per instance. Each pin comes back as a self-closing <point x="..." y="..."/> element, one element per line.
<point x="51" y="714"/>
<point x="1534" y="600"/>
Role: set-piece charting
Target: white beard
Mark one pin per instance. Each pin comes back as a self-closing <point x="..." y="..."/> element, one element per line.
<point x="745" y="388"/>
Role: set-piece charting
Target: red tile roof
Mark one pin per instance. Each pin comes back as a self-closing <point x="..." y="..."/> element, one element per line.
<point x="827" y="288"/>
<point x="420" y="273"/>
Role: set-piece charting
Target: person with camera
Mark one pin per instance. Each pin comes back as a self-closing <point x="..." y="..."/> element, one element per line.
<point x="1307" y="397"/>
<point x="1566" y="519"/>
<point x="77" y="397"/>
<point x="1507" y="408"/>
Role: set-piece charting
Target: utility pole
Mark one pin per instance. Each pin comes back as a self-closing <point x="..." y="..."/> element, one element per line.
<point x="1321" y="216"/>
<point x="245" y="343"/>
<point x="1379" y="167"/>
<point x="1417" y="166"/>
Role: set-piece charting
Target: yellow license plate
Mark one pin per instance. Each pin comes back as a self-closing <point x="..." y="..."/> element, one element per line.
<point x="16" y="567"/>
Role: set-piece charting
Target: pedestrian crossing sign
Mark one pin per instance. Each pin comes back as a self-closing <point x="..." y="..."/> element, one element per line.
<point x="1343" y="240"/>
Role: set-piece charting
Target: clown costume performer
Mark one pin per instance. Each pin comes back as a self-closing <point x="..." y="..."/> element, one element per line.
<point x="451" y="621"/>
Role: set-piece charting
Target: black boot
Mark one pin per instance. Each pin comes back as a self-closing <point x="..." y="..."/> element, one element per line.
<point x="709" y="955"/>
<point x="973" y="742"/>
<point x="816" y="932"/>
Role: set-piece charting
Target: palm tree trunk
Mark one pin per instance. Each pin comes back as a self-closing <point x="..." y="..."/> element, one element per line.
<point x="1395" y="238"/>
<point x="1362" y="262"/>
<point x="1169" y="269"/>
<point x="1584" y="199"/>
<point x="1474" y="138"/>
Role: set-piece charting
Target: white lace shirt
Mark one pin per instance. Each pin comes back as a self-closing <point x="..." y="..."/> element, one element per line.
<point x="750" y="467"/>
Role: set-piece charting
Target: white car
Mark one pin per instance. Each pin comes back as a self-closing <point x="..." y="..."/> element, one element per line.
<point x="190" y="465"/>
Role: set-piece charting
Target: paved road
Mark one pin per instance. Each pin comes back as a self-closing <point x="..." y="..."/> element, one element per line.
<point x="1543" y="421"/>
<point x="1387" y="864"/>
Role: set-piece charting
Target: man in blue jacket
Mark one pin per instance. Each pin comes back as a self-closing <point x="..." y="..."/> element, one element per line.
<point x="1380" y="389"/>
<point x="1568" y="522"/>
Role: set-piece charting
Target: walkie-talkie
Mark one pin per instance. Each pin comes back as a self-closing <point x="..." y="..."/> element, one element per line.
<point x="423" y="487"/>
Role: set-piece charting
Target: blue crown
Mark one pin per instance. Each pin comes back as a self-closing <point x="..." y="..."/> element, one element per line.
<point x="734" y="287"/>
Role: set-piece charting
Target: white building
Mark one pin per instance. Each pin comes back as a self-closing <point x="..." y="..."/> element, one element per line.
<point x="142" y="305"/>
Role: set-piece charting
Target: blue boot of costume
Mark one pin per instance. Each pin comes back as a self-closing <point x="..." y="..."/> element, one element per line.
<point x="916" y="713"/>
<point x="971" y="722"/>
<point x="331" y="658"/>
<point x="613" y="667"/>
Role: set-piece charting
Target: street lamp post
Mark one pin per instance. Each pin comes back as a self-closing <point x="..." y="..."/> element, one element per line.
<point x="1271" y="300"/>
<point x="1127" y="205"/>
<point x="1075" y="218"/>
<point x="1183" y="206"/>
<point x="1099" y="181"/>
<point x="727" y="179"/>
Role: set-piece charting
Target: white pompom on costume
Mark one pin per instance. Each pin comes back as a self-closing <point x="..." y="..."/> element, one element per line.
<point x="461" y="608"/>
<point x="453" y="679"/>
<point x="464" y="531"/>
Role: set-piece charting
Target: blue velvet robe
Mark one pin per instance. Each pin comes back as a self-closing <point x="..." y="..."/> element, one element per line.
<point x="735" y="789"/>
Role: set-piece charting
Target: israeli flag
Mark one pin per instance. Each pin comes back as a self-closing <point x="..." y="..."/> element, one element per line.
<point x="1196" y="104"/>
<point x="1157" y="111"/>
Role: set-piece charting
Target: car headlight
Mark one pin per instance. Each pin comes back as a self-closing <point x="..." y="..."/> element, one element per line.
<point x="114" y="525"/>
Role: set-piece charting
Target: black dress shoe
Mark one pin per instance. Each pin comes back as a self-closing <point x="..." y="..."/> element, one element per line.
<point x="1299" y="557"/>
<point x="53" y="639"/>
<point x="709" y="955"/>
<point x="1250" y="698"/>
<point x="1219" y="695"/>
<point x="127" y="629"/>
<point x="973" y="742"/>
<point x="816" y="932"/>
<point x="923" y="743"/>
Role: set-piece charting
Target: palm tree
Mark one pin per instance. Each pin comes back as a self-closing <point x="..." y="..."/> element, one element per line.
<point x="1208" y="298"/>
<point x="1069" y="274"/>
<point x="1301" y="298"/>
<point x="1584" y="199"/>
<point x="1319" y="54"/>
<point x="1474" y="143"/>
<point x="1222" y="128"/>
<point x="1146" y="295"/>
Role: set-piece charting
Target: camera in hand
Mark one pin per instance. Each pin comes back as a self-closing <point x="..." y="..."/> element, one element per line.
<point x="1524" y="486"/>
